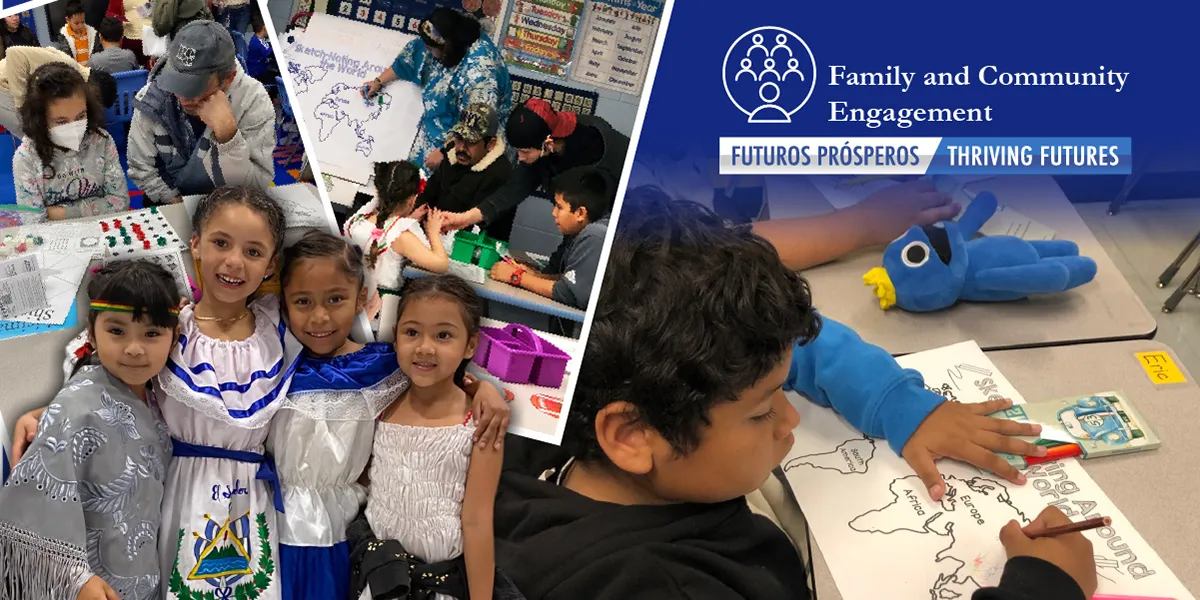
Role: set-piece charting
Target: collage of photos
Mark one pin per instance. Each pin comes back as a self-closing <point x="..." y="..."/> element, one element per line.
<point x="280" y="280"/>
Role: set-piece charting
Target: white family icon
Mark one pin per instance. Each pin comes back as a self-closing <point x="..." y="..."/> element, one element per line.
<point x="778" y="94"/>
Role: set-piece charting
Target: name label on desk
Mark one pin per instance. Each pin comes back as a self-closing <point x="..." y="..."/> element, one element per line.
<point x="1160" y="368"/>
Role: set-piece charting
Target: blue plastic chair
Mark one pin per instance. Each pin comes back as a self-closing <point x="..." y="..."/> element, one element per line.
<point x="240" y="47"/>
<point x="118" y="116"/>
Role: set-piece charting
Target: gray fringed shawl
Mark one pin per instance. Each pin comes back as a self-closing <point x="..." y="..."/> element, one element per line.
<point x="86" y="497"/>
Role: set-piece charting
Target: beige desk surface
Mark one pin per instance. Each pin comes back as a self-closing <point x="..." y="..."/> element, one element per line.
<point x="514" y="296"/>
<point x="1156" y="489"/>
<point x="31" y="367"/>
<point x="1105" y="309"/>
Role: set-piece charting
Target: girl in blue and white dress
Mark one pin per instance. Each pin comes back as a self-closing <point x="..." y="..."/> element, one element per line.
<point x="225" y="379"/>
<point x="322" y="436"/>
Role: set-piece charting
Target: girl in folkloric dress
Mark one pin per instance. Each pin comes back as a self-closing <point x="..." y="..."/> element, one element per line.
<point x="224" y="381"/>
<point x="322" y="436"/>
<point x="388" y="230"/>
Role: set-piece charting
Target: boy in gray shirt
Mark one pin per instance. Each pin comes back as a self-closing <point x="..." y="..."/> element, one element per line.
<point x="113" y="58"/>
<point x="582" y="200"/>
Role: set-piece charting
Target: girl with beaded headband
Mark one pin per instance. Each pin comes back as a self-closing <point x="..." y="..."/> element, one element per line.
<point x="80" y="515"/>
<point x="389" y="232"/>
<point x="322" y="435"/>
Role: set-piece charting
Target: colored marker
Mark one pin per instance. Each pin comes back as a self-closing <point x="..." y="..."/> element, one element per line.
<point x="1092" y="523"/>
<point x="1055" y="453"/>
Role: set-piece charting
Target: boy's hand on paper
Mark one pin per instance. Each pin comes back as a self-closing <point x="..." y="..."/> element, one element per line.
<point x="965" y="432"/>
<point x="24" y="432"/>
<point x="888" y="213"/>
<point x="1070" y="552"/>
<point x="97" y="589"/>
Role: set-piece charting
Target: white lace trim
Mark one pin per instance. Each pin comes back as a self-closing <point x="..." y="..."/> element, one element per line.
<point x="364" y="404"/>
<point x="214" y="409"/>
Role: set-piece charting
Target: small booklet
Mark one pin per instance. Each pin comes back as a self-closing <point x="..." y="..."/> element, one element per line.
<point x="1101" y="424"/>
<point x="22" y="290"/>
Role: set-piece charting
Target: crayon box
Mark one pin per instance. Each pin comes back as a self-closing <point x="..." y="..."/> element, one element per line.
<point x="1101" y="424"/>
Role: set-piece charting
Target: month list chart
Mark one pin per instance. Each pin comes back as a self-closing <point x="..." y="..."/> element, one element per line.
<point x="615" y="44"/>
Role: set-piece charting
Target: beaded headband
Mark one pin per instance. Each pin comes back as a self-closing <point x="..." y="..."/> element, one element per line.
<point x="100" y="305"/>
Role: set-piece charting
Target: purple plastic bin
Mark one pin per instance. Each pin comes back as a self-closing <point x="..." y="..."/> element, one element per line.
<point x="518" y="355"/>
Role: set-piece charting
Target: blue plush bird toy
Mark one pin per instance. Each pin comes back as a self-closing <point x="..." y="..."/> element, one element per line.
<point x="933" y="267"/>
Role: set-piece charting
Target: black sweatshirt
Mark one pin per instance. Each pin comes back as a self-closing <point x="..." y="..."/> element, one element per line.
<point x="593" y="143"/>
<point x="558" y="545"/>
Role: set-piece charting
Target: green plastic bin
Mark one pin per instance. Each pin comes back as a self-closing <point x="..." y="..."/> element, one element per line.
<point x="477" y="249"/>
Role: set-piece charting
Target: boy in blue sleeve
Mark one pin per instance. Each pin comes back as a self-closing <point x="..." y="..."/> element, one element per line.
<point x="680" y="411"/>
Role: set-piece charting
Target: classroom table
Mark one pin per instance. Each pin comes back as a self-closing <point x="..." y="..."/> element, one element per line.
<point x="514" y="296"/>
<point x="31" y="367"/>
<point x="1105" y="309"/>
<point x="525" y="419"/>
<point x="1153" y="489"/>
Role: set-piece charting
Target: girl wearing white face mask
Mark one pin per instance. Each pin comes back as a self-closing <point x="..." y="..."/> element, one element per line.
<point x="67" y="165"/>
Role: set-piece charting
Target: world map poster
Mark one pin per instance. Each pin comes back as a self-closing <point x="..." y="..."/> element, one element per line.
<point x="869" y="512"/>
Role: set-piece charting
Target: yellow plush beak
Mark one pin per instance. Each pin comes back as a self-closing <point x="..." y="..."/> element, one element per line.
<point x="878" y="277"/>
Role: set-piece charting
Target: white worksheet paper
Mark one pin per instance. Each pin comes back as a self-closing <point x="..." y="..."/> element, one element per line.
<point x="868" y="511"/>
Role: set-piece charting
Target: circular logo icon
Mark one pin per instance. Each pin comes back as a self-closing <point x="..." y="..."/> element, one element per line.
<point x="769" y="74"/>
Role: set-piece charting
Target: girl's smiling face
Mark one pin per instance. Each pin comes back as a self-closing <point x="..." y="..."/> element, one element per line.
<point x="322" y="303"/>
<point x="432" y="339"/>
<point x="236" y="252"/>
<point x="133" y="350"/>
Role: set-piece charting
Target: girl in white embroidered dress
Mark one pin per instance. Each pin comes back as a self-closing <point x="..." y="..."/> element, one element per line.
<point x="388" y="229"/>
<point x="432" y="489"/>
<point x="225" y="379"/>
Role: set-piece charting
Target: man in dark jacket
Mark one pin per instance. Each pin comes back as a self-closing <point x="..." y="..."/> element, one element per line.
<point x="680" y="411"/>
<point x="475" y="168"/>
<point x="549" y="144"/>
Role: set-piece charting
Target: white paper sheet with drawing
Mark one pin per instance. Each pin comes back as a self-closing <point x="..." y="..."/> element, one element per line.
<point x="61" y="274"/>
<point x="328" y="63"/>
<point x="866" y="507"/>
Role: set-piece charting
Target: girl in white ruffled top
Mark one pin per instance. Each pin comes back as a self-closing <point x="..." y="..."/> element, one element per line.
<point x="389" y="232"/>
<point x="322" y="436"/>
<point x="432" y="490"/>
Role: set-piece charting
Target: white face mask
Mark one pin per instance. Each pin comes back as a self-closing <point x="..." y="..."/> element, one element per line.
<point x="70" y="135"/>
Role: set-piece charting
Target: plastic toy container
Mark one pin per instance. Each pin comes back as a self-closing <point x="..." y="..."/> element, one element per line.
<point x="518" y="355"/>
<point x="477" y="249"/>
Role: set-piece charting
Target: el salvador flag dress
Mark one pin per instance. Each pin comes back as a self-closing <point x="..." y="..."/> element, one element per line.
<point x="219" y="536"/>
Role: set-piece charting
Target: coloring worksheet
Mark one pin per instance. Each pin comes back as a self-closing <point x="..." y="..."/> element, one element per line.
<point x="865" y="506"/>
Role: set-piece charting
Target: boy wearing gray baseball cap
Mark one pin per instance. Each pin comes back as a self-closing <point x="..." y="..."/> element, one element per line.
<point x="201" y="122"/>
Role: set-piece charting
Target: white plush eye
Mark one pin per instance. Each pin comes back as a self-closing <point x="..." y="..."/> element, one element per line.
<point x="915" y="254"/>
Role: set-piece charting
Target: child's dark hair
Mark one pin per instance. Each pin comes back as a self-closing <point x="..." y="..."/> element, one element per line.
<point x="104" y="85"/>
<point x="142" y="284"/>
<point x="692" y="313"/>
<point x="257" y="22"/>
<point x="322" y="244"/>
<point x="454" y="288"/>
<point x="586" y="187"/>
<point x="111" y="30"/>
<point x="50" y="82"/>
<point x="396" y="182"/>
<point x="73" y="7"/>
<point x="458" y="31"/>
<point x="255" y="199"/>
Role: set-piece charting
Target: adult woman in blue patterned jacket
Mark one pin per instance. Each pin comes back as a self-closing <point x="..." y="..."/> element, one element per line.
<point x="455" y="65"/>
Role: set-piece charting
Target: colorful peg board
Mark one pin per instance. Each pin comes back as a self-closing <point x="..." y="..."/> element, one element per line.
<point x="141" y="232"/>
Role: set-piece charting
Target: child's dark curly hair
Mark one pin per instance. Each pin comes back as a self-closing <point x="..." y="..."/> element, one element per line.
<point x="50" y="82"/>
<point x="692" y="313"/>
<point x="396" y="182"/>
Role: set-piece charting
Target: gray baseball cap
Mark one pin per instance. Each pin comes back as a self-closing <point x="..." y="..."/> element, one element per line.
<point x="199" y="50"/>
